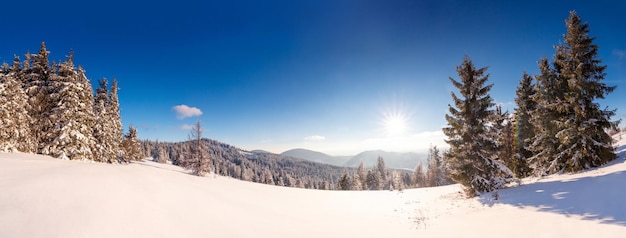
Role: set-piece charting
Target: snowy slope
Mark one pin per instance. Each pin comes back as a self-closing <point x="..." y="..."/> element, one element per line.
<point x="44" y="197"/>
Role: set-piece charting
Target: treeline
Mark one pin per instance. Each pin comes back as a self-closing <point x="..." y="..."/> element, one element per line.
<point x="380" y="178"/>
<point x="273" y="169"/>
<point x="50" y="109"/>
<point x="557" y="126"/>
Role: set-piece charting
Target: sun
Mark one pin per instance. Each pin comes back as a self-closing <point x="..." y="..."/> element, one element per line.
<point x="395" y="124"/>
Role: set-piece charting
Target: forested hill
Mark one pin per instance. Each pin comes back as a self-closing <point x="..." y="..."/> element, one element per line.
<point x="258" y="167"/>
<point x="280" y="170"/>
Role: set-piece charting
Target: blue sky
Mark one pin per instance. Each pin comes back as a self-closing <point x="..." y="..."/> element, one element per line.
<point x="332" y="76"/>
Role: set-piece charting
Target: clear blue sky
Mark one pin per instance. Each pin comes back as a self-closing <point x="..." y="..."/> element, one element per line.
<point x="322" y="75"/>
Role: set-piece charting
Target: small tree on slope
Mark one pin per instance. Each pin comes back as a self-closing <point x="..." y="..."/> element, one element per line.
<point x="471" y="157"/>
<point x="196" y="156"/>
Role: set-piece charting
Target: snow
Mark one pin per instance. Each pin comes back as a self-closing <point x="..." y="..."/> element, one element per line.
<point x="45" y="197"/>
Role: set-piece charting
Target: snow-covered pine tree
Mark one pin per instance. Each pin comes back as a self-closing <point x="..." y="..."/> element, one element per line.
<point x="419" y="177"/>
<point x="72" y="114"/>
<point x="113" y="111"/>
<point x="435" y="175"/>
<point x="344" y="182"/>
<point x="131" y="146"/>
<point x="359" y="178"/>
<point x="584" y="142"/>
<point x="103" y="150"/>
<point x="15" y="134"/>
<point x="196" y="157"/>
<point x="472" y="154"/>
<point x="501" y="129"/>
<point x="523" y="128"/>
<point x="37" y="72"/>
<point x="544" y="144"/>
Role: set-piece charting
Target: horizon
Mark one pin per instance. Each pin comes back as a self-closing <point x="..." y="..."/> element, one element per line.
<point x="334" y="77"/>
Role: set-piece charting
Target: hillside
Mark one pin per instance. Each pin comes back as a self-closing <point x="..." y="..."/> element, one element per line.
<point x="45" y="197"/>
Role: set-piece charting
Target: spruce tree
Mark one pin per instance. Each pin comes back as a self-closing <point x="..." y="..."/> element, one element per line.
<point x="571" y="128"/>
<point x="523" y="127"/>
<point x="15" y="134"/>
<point x="584" y="140"/>
<point x="131" y="146"/>
<point x="548" y="91"/>
<point x="419" y="178"/>
<point x="116" y="120"/>
<point x="71" y="115"/>
<point x="103" y="148"/>
<point x="37" y="72"/>
<point x="471" y="157"/>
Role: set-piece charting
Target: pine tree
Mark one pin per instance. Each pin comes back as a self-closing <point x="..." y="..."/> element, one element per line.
<point x="501" y="129"/>
<point x="115" y="118"/>
<point x="71" y="115"/>
<point x="419" y="178"/>
<point x="435" y="175"/>
<point x="582" y="134"/>
<point x="131" y="146"/>
<point x="472" y="152"/>
<point x="196" y="157"/>
<point x="344" y="182"/>
<point x="102" y="130"/>
<point x="571" y="127"/>
<point x="37" y="72"/>
<point x="523" y="127"/>
<point x="372" y="180"/>
<point x="548" y="92"/>
<point x="359" y="178"/>
<point x="15" y="134"/>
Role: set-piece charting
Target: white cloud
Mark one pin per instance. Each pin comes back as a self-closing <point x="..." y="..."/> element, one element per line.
<point x="186" y="127"/>
<point x="184" y="111"/>
<point x="315" y="138"/>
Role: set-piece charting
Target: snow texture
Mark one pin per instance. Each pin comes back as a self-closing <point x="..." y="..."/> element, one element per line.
<point x="45" y="197"/>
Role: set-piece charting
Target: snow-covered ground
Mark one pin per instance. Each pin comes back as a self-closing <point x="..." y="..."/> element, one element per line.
<point x="44" y="197"/>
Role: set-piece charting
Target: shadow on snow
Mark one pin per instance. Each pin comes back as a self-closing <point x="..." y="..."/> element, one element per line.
<point x="600" y="198"/>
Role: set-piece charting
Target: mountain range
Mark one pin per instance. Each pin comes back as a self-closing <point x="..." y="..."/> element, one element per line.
<point x="396" y="160"/>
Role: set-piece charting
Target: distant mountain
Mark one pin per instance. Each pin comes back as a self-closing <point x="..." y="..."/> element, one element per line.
<point x="394" y="160"/>
<point x="316" y="156"/>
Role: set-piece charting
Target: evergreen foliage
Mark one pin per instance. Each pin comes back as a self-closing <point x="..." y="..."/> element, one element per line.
<point x="523" y="128"/>
<point x="131" y="146"/>
<point x="472" y="154"/>
<point x="572" y="136"/>
<point x="50" y="109"/>
<point x="71" y="114"/>
<point x="196" y="157"/>
<point x="14" y="132"/>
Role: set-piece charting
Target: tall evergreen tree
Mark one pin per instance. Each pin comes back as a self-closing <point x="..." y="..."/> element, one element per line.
<point x="15" y="134"/>
<point x="103" y="148"/>
<point x="471" y="155"/>
<point x="72" y="114"/>
<point x="584" y="140"/>
<point x="548" y="91"/>
<point x="359" y="178"/>
<point x="571" y="134"/>
<point x="523" y="127"/>
<point x="37" y="72"/>
<point x="116" y="120"/>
